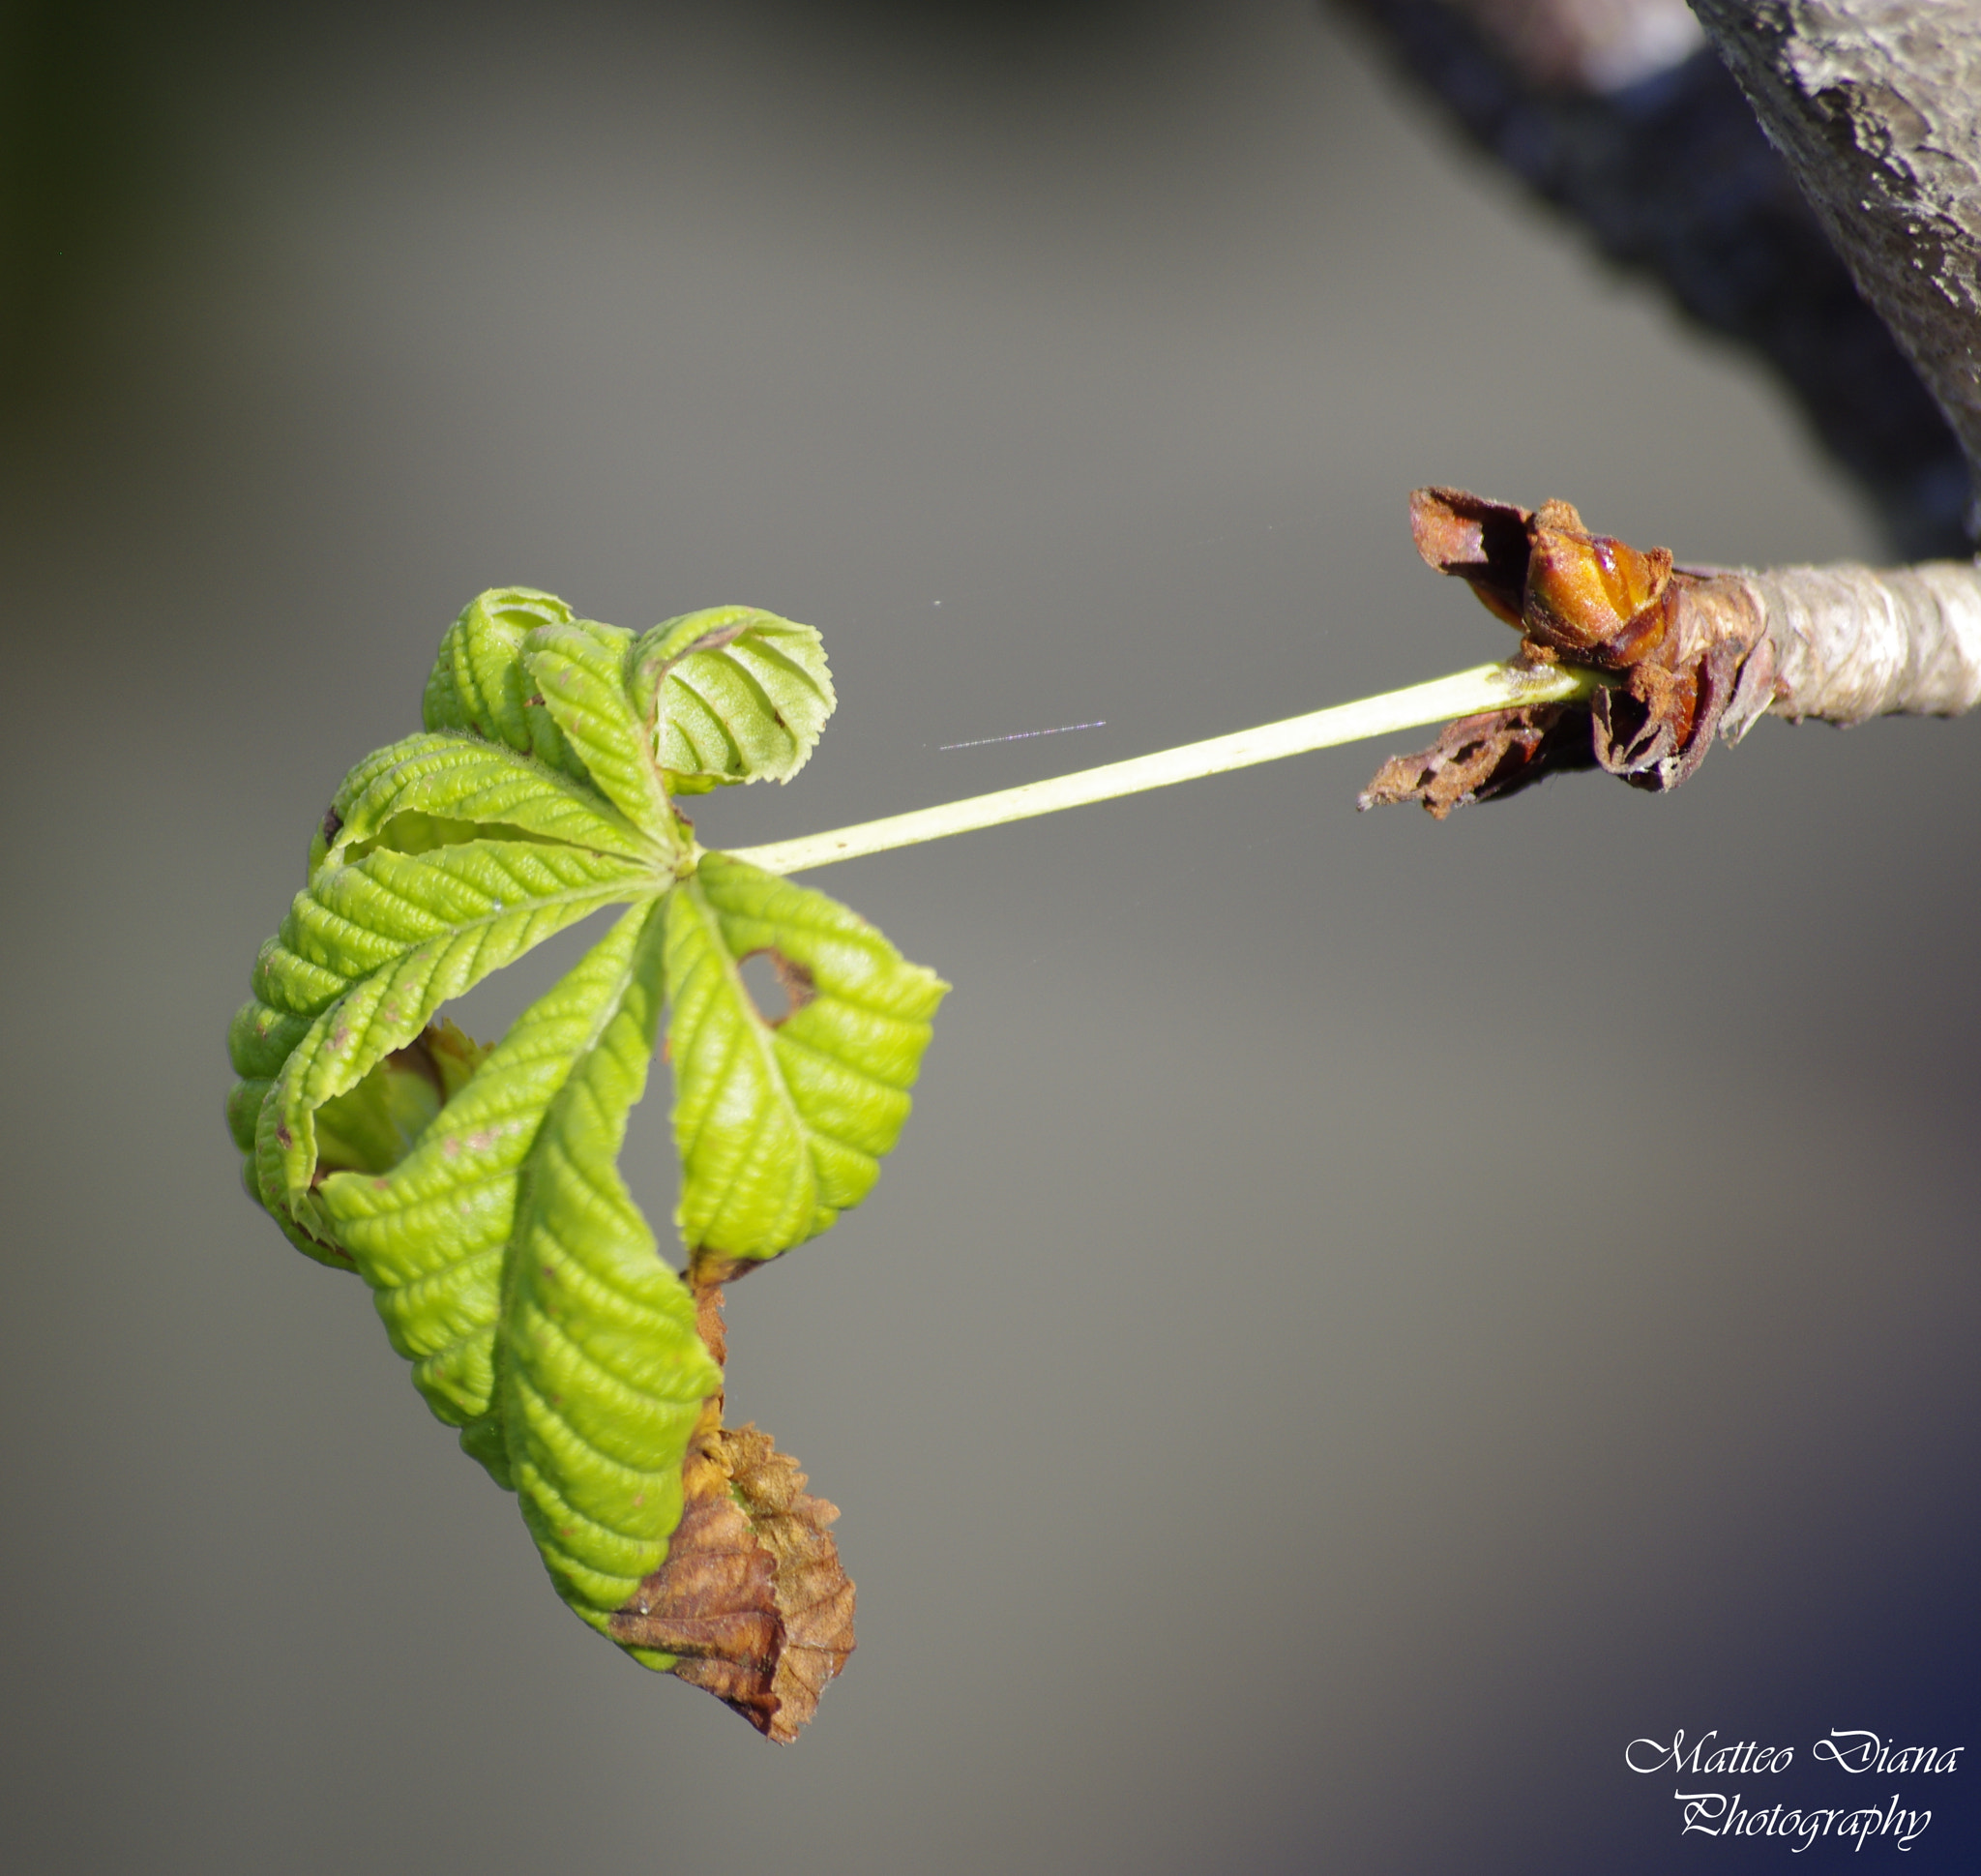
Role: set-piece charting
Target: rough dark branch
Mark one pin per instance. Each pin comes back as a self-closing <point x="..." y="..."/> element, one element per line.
<point x="1664" y="166"/>
<point x="1877" y="107"/>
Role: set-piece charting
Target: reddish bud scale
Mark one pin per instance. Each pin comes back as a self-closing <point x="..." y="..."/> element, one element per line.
<point x="1591" y="597"/>
<point x="1678" y="645"/>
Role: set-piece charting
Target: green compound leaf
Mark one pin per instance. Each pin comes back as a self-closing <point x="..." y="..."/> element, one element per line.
<point x="601" y="1374"/>
<point x="476" y="1189"/>
<point x="735" y="695"/>
<point x="782" y="1120"/>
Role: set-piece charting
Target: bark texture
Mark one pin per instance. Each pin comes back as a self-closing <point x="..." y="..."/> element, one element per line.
<point x="1615" y="112"/>
<point x="1876" y="105"/>
<point x="1847" y="642"/>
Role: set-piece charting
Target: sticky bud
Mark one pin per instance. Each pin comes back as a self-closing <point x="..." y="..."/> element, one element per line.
<point x="1684" y="648"/>
<point x="1590" y="597"/>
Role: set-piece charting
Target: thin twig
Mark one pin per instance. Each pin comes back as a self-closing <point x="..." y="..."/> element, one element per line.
<point x="1487" y="687"/>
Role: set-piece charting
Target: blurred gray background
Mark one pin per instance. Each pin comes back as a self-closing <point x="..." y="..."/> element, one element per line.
<point x="1368" y="1316"/>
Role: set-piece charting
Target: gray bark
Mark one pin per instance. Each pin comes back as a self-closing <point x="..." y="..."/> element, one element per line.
<point x="1875" y="106"/>
<point x="1617" y="114"/>
<point x="1844" y="642"/>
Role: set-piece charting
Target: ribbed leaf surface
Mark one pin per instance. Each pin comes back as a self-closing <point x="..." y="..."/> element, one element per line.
<point x="602" y="1372"/>
<point x="477" y="682"/>
<point x="374" y="950"/>
<point x="454" y="785"/>
<point x="781" y="1122"/>
<point x="738" y="695"/>
<point x="581" y="671"/>
<point x="428" y="1236"/>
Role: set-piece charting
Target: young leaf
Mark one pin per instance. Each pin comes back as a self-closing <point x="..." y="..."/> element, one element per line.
<point x="476" y="1191"/>
<point x="782" y="1122"/>
<point x="734" y="695"/>
<point x="581" y="671"/>
<point x="479" y="684"/>
<point x="430" y="1233"/>
<point x="455" y="784"/>
<point x="601" y="1372"/>
<point x="371" y="951"/>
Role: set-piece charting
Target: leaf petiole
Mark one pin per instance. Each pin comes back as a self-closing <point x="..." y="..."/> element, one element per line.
<point x="1486" y="687"/>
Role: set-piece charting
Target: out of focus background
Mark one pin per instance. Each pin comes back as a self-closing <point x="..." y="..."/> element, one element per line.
<point x="1368" y="1318"/>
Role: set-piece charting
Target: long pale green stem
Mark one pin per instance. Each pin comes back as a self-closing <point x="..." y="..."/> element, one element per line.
<point x="1488" y="687"/>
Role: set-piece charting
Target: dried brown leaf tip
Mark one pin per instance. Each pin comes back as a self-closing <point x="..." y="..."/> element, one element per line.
<point x="1681" y="643"/>
<point x="752" y="1602"/>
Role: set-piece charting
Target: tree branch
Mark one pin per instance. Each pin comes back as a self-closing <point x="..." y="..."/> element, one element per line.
<point x="1876" y="105"/>
<point x="1847" y="642"/>
<point x="1691" y="653"/>
<point x="1615" y="114"/>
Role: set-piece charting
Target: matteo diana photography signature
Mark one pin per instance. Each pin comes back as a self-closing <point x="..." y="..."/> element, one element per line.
<point x="1746" y="1812"/>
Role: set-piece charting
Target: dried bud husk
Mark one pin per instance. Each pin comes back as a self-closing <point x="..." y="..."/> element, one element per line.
<point x="1686" y="645"/>
<point x="1477" y="758"/>
<point x="751" y="1603"/>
